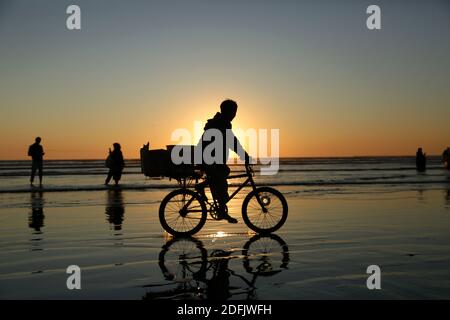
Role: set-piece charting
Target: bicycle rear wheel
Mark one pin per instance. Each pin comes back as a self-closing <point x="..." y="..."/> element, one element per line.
<point x="182" y="212"/>
<point x="270" y="216"/>
<point x="183" y="259"/>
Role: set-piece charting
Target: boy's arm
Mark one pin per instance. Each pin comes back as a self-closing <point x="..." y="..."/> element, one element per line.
<point x="237" y="147"/>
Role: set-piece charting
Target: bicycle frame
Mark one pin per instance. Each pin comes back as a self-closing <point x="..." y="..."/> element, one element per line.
<point x="244" y="184"/>
<point x="249" y="180"/>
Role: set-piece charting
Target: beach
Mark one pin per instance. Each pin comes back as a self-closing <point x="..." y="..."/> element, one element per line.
<point x="332" y="234"/>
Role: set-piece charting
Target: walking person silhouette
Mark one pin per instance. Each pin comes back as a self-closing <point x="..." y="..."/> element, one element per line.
<point x="36" y="152"/>
<point x="115" y="163"/>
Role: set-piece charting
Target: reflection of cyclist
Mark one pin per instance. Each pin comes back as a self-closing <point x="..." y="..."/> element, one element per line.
<point x="218" y="287"/>
<point x="185" y="263"/>
<point x="218" y="172"/>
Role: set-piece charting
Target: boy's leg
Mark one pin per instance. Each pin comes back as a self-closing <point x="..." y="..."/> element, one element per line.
<point x="219" y="189"/>
<point x="218" y="183"/>
<point x="200" y="188"/>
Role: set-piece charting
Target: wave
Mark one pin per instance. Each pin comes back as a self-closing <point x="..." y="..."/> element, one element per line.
<point x="27" y="189"/>
<point x="84" y="188"/>
<point x="295" y="161"/>
<point x="88" y="172"/>
<point x="83" y="175"/>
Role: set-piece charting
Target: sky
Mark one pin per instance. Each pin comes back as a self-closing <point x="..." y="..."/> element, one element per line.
<point x="138" y="70"/>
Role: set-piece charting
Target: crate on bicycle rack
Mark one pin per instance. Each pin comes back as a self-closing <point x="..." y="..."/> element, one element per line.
<point x="158" y="163"/>
<point x="154" y="163"/>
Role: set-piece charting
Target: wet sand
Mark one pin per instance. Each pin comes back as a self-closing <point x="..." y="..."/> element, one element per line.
<point x="322" y="251"/>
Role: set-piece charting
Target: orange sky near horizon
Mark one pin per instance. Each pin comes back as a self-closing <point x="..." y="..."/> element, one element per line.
<point x="308" y="137"/>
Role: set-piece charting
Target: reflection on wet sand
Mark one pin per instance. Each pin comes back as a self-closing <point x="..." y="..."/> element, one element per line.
<point x="191" y="273"/>
<point x="447" y="194"/>
<point x="36" y="216"/>
<point x="36" y="219"/>
<point x="447" y="198"/>
<point x="115" y="208"/>
<point x="420" y="193"/>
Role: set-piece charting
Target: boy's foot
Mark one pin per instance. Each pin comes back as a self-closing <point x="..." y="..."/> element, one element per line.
<point x="229" y="218"/>
<point x="222" y="214"/>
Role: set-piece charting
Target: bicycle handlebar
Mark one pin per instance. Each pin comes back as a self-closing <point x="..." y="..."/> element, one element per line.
<point x="249" y="169"/>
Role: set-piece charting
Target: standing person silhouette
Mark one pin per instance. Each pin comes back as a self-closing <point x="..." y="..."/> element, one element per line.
<point x="115" y="163"/>
<point x="446" y="158"/>
<point x="36" y="152"/>
<point x="217" y="173"/>
<point x="421" y="160"/>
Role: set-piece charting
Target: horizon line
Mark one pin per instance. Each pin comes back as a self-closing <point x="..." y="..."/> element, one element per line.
<point x="287" y="157"/>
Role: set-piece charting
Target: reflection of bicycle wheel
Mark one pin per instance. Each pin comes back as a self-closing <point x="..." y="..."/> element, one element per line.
<point x="266" y="215"/>
<point x="265" y="255"/>
<point x="183" y="259"/>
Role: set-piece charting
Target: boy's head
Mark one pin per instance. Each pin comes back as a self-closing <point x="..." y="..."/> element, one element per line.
<point x="38" y="140"/>
<point x="228" y="109"/>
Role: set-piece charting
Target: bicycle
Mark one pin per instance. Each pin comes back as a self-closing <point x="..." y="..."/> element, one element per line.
<point x="183" y="212"/>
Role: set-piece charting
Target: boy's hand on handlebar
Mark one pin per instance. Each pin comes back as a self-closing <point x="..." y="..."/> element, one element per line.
<point x="248" y="160"/>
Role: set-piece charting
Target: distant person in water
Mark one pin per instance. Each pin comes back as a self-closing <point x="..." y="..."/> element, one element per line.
<point x="446" y="158"/>
<point x="421" y="160"/>
<point x="115" y="163"/>
<point x="36" y="152"/>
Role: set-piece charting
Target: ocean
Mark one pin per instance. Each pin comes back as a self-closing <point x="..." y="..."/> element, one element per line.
<point x="334" y="173"/>
<point x="345" y="214"/>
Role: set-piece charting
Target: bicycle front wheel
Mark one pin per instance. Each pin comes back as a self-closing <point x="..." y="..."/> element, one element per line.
<point x="265" y="255"/>
<point x="182" y="212"/>
<point x="266" y="215"/>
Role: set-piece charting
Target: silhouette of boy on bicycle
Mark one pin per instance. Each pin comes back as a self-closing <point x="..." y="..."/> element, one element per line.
<point x="218" y="172"/>
<point x="183" y="212"/>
